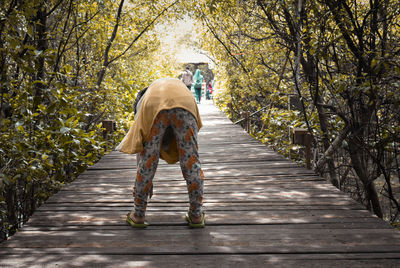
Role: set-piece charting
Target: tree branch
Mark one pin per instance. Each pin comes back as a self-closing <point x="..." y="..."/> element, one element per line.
<point x="143" y="31"/>
<point x="356" y="51"/>
<point x="332" y="148"/>
<point x="54" y="8"/>
<point x="230" y="53"/>
<point x="106" y="62"/>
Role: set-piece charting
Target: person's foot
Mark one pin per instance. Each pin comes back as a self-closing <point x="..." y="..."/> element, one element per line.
<point x="136" y="219"/>
<point x="196" y="220"/>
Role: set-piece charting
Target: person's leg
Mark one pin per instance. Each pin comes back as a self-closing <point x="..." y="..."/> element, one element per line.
<point x="185" y="128"/>
<point x="147" y="165"/>
<point x="198" y="92"/>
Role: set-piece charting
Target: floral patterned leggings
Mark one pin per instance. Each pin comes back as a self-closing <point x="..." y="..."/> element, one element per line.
<point x="184" y="126"/>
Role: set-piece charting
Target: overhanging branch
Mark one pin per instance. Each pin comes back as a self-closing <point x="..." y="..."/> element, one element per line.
<point x="142" y="32"/>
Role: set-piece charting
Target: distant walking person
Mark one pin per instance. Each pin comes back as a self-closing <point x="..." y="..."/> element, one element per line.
<point x="198" y="81"/>
<point x="166" y="123"/>
<point x="187" y="78"/>
<point x="209" y="91"/>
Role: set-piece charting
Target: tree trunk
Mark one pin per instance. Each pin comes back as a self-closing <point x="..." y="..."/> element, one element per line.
<point x="3" y="72"/>
<point x="332" y="148"/>
<point x="12" y="219"/>
<point x="41" y="45"/>
<point x="106" y="62"/>
<point x="374" y="199"/>
<point x="311" y="71"/>
<point x="360" y="164"/>
<point x="323" y="123"/>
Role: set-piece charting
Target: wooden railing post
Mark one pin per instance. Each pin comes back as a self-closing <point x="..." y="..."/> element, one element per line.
<point x="109" y="126"/>
<point x="246" y="119"/>
<point x="301" y="136"/>
<point x="308" y="149"/>
<point x="247" y="116"/>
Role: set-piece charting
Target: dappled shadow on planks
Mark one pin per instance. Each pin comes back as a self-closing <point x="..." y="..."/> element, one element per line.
<point x="261" y="210"/>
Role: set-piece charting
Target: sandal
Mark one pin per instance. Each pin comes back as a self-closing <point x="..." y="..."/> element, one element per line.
<point x="196" y="225"/>
<point x="130" y="221"/>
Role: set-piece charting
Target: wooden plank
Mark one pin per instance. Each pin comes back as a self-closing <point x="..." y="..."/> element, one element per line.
<point x="217" y="215"/>
<point x="355" y="226"/>
<point x="211" y="260"/>
<point x="163" y="217"/>
<point x="211" y="197"/>
<point x="273" y="232"/>
<point x="259" y="190"/>
<point x="288" y="204"/>
<point x="162" y="188"/>
<point x="223" y="182"/>
<point x="129" y="175"/>
<point x="192" y="260"/>
<point x="208" y="172"/>
<point x="214" y="239"/>
<point x="124" y="245"/>
<point x="270" y="203"/>
<point x="209" y="161"/>
<point x="256" y="240"/>
<point x="182" y="207"/>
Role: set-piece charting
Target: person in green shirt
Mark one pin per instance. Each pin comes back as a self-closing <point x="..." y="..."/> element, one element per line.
<point x="198" y="80"/>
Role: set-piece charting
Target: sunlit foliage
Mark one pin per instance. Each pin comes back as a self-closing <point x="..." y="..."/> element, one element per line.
<point x="65" y="66"/>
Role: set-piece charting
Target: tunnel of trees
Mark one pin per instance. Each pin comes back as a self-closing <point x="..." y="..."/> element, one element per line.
<point x="67" y="65"/>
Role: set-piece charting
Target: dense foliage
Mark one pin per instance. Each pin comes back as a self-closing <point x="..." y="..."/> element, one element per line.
<point x="66" y="65"/>
<point x="340" y="60"/>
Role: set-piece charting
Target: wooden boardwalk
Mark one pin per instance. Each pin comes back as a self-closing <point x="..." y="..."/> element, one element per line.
<point x="262" y="211"/>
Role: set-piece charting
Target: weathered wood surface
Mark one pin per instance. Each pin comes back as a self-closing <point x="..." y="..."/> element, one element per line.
<point x="262" y="210"/>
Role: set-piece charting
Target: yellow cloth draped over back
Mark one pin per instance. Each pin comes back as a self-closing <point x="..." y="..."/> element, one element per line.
<point x="163" y="94"/>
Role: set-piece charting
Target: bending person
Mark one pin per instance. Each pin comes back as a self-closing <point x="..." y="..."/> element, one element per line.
<point x="166" y="124"/>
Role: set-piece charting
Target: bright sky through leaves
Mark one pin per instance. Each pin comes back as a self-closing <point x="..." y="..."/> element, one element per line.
<point x="179" y="39"/>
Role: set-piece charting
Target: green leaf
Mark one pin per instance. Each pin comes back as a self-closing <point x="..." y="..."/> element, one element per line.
<point x="67" y="68"/>
<point x="5" y="179"/>
<point x="64" y="130"/>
